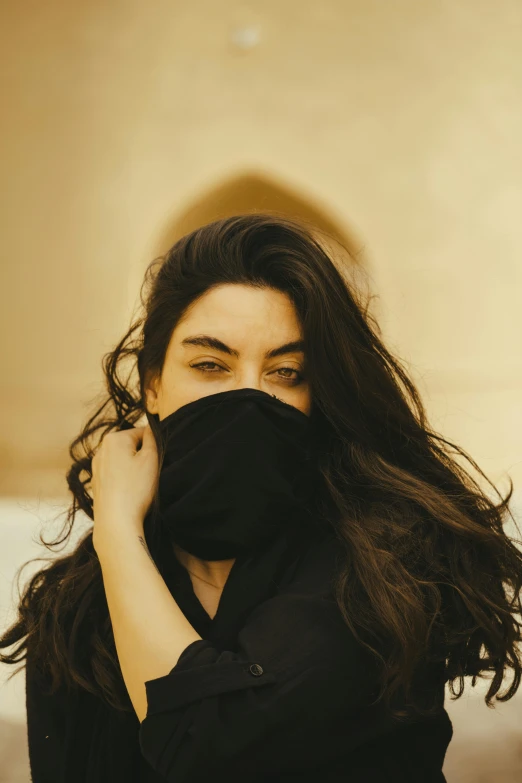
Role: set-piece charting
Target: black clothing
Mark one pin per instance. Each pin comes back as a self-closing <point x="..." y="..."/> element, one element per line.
<point x="288" y="701"/>
<point x="239" y="466"/>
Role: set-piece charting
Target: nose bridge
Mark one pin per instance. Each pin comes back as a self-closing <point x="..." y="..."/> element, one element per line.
<point x="253" y="379"/>
<point x="249" y="376"/>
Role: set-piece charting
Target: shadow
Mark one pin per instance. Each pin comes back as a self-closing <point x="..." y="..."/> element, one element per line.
<point x="252" y="192"/>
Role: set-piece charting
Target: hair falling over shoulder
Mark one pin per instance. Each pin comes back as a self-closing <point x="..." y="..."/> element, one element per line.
<point x="430" y="573"/>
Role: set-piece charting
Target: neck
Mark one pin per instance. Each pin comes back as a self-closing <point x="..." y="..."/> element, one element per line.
<point x="214" y="572"/>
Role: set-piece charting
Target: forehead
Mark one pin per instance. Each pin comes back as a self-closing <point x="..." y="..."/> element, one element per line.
<point x="234" y="306"/>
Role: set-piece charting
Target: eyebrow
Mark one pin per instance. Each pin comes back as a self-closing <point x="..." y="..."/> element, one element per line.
<point x="206" y="341"/>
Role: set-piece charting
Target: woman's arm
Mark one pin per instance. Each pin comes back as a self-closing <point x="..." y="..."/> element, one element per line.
<point x="150" y="630"/>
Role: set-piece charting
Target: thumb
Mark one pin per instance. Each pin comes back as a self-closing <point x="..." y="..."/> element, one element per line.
<point x="148" y="436"/>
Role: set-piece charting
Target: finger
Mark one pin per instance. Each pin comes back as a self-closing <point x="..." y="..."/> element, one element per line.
<point x="136" y="434"/>
<point x="141" y="437"/>
<point x="148" y="436"/>
<point x="128" y="438"/>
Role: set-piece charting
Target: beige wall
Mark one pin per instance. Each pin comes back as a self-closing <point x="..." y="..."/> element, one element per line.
<point x="399" y="121"/>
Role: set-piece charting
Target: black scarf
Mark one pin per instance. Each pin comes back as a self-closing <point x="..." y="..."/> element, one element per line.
<point x="237" y="472"/>
<point x="239" y="480"/>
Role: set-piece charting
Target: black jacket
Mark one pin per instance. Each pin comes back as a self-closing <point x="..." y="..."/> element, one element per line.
<point x="289" y="703"/>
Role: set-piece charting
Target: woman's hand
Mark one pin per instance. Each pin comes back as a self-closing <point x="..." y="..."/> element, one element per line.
<point x="124" y="481"/>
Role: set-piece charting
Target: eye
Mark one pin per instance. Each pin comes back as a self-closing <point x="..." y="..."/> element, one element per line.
<point x="296" y="379"/>
<point x="201" y="365"/>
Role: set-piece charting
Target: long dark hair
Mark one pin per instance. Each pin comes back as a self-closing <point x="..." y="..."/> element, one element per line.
<point x="430" y="573"/>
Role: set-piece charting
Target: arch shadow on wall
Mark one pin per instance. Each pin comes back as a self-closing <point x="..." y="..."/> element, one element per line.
<point x="252" y="192"/>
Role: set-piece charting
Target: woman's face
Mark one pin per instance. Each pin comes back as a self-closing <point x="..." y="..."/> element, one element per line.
<point x="245" y="324"/>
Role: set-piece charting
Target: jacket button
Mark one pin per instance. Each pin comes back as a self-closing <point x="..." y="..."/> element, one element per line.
<point x="256" y="669"/>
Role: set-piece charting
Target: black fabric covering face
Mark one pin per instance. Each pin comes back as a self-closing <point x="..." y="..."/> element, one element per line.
<point x="238" y="470"/>
<point x="239" y="481"/>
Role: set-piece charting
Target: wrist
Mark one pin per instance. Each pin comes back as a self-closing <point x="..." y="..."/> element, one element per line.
<point x="108" y="537"/>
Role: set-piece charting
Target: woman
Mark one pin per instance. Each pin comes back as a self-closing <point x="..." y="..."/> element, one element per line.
<point x="286" y="564"/>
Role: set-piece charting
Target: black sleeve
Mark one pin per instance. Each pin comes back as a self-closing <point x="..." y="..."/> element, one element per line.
<point x="278" y="698"/>
<point x="46" y="721"/>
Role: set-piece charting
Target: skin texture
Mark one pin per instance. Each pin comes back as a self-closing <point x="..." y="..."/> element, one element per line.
<point x="251" y="321"/>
